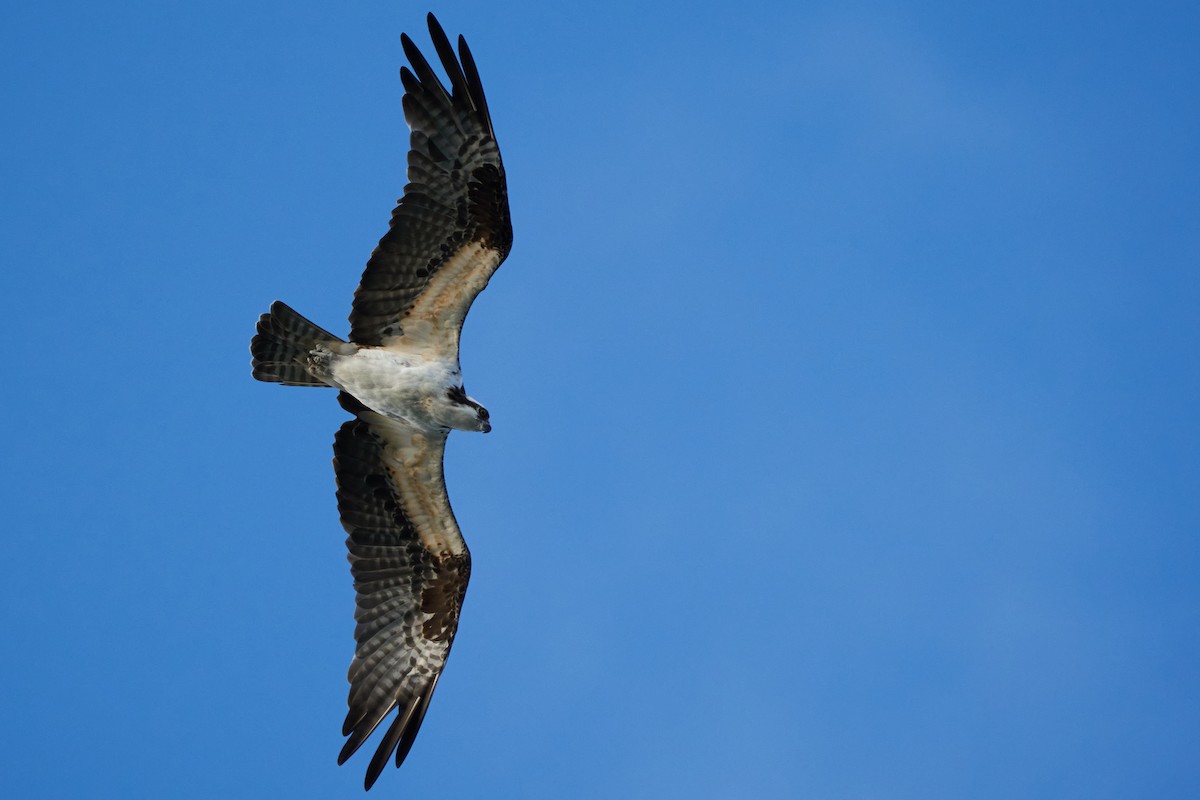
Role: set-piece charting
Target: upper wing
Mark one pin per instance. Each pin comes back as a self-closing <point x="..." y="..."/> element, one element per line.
<point x="451" y="229"/>
<point x="410" y="568"/>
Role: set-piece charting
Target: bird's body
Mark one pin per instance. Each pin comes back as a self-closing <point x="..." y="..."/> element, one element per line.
<point x="399" y="375"/>
<point x="412" y="387"/>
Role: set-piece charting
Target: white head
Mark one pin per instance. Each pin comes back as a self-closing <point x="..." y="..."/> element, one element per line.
<point x="463" y="413"/>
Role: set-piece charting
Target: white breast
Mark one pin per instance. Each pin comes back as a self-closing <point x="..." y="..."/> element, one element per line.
<point x="399" y="385"/>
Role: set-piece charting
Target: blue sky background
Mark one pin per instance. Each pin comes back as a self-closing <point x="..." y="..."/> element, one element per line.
<point x="844" y="377"/>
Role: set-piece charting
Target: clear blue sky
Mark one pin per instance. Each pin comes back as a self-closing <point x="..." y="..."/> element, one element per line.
<point x="844" y="377"/>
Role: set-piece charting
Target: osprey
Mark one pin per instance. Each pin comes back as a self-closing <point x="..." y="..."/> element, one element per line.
<point x="399" y="375"/>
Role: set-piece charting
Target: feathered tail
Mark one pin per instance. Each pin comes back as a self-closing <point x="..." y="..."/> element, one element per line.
<point x="283" y="348"/>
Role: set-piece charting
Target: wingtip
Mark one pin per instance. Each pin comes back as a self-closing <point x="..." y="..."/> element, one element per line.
<point x="409" y="47"/>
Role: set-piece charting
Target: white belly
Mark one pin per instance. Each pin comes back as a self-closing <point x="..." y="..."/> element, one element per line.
<point x="398" y="385"/>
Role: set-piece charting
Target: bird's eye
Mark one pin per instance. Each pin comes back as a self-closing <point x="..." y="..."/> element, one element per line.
<point x="483" y="413"/>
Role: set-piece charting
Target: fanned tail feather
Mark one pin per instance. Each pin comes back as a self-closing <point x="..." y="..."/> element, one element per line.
<point x="283" y="347"/>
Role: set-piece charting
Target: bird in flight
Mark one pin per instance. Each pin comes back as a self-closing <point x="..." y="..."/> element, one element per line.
<point x="398" y="374"/>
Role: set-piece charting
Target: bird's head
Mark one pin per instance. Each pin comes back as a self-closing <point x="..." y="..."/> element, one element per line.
<point x="465" y="414"/>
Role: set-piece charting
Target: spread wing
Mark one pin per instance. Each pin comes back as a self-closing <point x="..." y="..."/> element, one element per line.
<point x="410" y="568"/>
<point x="451" y="230"/>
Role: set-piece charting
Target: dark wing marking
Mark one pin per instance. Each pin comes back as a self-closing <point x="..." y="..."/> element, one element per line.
<point x="410" y="568"/>
<point x="451" y="229"/>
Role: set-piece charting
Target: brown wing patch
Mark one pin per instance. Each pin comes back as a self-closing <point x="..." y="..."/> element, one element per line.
<point x="443" y="597"/>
